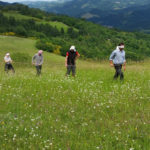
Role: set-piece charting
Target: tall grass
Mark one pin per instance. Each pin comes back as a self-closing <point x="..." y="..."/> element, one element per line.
<point x="88" y="112"/>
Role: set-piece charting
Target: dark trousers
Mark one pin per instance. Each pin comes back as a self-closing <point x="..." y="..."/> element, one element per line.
<point x="38" y="69"/>
<point x="119" y="72"/>
<point x="9" y="67"/>
<point x="71" y="68"/>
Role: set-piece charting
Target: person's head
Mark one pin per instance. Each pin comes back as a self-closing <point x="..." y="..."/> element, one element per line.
<point x="7" y="54"/>
<point x="121" y="46"/>
<point x="72" y="49"/>
<point x="40" y="52"/>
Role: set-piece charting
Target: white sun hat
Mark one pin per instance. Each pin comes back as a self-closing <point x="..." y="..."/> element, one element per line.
<point x="8" y="54"/>
<point x="73" y="48"/>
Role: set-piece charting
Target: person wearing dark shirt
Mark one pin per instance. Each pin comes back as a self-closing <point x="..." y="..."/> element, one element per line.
<point x="70" y="61"/>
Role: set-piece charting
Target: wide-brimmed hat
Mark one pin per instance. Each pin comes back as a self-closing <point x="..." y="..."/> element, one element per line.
<point x="7" y="54"/>
<point x="73" y="48"/>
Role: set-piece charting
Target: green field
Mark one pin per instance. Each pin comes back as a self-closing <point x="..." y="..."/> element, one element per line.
<point x="19" y="16"/>
<point x="89" y="112"/>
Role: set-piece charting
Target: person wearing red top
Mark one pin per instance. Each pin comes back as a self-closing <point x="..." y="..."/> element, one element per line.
<point x="70" y="62"/>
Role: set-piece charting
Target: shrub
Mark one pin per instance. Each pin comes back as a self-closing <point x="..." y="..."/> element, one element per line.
<point x="134" y="56"/>
<point x="57" y="50"/>
<point x="9" y="33"/>
<point x="21" y="31"/>
<point x="45" y="45"/>
<point x="24" y="58"/>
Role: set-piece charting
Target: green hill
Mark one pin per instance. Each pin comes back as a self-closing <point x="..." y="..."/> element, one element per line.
<point x="16" y="45"/>
<point x="55" y="33"/>
<point x="88" y="112"/>
<point x="123" y="14"/>
<point x="19" y="16"/>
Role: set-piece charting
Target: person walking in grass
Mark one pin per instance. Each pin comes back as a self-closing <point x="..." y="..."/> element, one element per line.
<point x="70" y="61"/>
<point x="117" y="60"/>
<point x="8" y="63"/>
<point x="37" y="60"/>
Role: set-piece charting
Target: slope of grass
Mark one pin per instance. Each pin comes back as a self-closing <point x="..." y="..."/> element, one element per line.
<point x="88" y="112"/>
<point x="57" y="24"/>
<point x="23" y="45"/>
<point x="19" y="16"/>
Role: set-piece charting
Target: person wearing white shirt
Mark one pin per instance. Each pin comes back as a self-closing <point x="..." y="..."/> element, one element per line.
<point x="117" y="60"/>
<point x="8" y="63"/>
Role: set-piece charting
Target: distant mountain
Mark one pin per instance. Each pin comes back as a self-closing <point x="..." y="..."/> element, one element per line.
<point x="3" y="3"/>
<point x="123" y="14"/>
<point x="132" y="19"/>
<point x="45" y="4"/>
<point x="77" y="7"/>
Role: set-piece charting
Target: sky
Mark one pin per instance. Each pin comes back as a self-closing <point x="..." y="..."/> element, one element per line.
<point x="23" y="0"/>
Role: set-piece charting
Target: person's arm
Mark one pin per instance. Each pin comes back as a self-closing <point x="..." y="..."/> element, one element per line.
<point x="66" y="61"/>
<point x="111" y="58"/>
<point x="111" y="63"/>
<point x="77" y="56"/>
<point x="124" y="65"/>
<point x="33" y="58"/>
<point x="5" y="60"/>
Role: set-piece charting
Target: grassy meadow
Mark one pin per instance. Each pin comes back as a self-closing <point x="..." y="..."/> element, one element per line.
<point x="89" y="112"/>
<point x="19" y="16"/>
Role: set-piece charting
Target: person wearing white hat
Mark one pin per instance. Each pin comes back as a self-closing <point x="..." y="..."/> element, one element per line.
<point x="37" y="60"/>
<point x="8" y="63"/>
<point x="70" y="61"/>
<point x="117" y="60"/>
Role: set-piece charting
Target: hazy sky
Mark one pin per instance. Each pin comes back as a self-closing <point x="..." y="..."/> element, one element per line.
<point x="24" y="0"/>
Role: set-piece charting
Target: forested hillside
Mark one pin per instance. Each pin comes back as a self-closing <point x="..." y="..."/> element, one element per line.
<point x="55" y="33"/>
<point x="123" y="14"/>
<point x="132" y="19"/>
